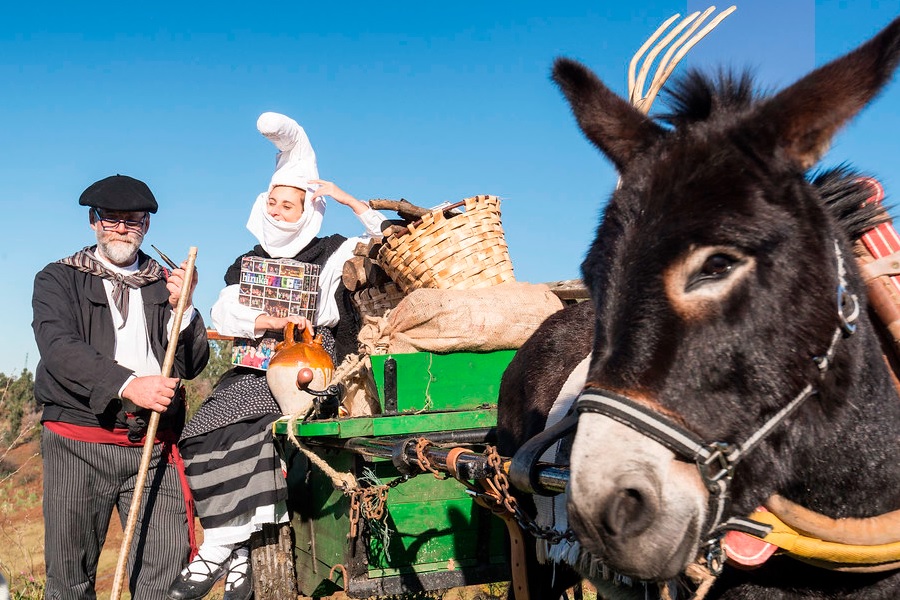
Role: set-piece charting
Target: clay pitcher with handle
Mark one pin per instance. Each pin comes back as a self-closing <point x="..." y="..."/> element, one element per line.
<point x="296" y="366"/>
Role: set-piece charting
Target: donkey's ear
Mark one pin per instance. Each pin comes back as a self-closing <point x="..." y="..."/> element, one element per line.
<point x="618" y="129"/>
<point x="807" y="115"/>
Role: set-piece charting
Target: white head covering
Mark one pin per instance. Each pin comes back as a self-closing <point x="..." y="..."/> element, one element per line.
<point x="290" y="139"/>
<point x="295" y="165"/>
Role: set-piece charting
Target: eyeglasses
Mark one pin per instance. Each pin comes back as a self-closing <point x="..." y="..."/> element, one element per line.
<point x="112" y="224"/>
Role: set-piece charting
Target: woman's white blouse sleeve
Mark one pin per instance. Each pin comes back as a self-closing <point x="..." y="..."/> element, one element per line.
<point x="372" y="220"/>
<point x="230" y="317"/>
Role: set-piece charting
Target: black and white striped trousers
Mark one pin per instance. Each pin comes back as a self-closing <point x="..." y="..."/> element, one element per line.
<point x="83" y="482"/>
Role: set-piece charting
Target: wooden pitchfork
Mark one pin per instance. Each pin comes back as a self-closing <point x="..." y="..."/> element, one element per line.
<point x="168" y="362"/>
<point x="636" y="94"/>
<point x="699" y="574"/>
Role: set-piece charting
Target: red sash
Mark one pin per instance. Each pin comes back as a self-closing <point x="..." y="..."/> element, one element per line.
<point x="119" y="437"/>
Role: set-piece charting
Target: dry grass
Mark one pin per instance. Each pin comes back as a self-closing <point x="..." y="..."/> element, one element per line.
<point x="21" y="521"/>
<point x="22" y="539"/>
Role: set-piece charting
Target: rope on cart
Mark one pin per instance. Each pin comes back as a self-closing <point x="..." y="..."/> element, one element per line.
<point x="341" y="481"/>
<point x="346" y="373"/>
<point x="353" y="374"/>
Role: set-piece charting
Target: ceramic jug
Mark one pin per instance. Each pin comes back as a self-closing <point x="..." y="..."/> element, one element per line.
<point x="296" y="366"/>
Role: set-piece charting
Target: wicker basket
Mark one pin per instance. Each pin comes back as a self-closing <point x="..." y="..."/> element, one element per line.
<point x="375" y="301"/>
<point x="463" y="251"/>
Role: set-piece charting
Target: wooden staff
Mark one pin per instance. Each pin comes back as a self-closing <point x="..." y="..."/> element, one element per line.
<point x="150" y="438"/>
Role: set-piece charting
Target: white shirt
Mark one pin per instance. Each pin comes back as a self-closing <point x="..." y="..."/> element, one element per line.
<point x="133" y="348"/>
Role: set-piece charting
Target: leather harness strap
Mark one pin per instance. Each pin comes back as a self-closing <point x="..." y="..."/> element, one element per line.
<point x="452" y="457"/>
<point x="881" y="267"/>
<point x="518" y="570"/>
<point x="517" y="556"/>
<point x="880" y="529"/>
<point x="518" y="564"/>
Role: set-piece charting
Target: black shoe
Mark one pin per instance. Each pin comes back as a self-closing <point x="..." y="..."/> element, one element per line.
<point x="186" y="588"/>
<point x="239" y="583"/>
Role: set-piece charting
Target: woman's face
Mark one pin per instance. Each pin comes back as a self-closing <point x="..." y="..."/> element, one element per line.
<point x="285" y="203"/>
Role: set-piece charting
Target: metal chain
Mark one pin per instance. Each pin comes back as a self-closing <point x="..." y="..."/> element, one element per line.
<point x="425" y="464"/>
<point x="373" y="502"/>
<point x="370" y="502"/>
<point x="500" y="483"/>
<point x="354" y="496"/>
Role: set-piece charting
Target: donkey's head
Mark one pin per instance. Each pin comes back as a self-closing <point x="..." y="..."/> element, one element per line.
<point x="714" y="276"/>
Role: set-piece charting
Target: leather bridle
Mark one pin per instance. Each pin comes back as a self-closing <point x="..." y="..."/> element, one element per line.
<point x="716" y="460"/>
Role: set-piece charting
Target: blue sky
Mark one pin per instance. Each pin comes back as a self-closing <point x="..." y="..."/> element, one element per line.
<point x="424" y="101"/>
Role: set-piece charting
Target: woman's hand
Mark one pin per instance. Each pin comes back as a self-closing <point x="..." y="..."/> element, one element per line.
<point x="328" y="188"/>
<point x="265" y="321"/>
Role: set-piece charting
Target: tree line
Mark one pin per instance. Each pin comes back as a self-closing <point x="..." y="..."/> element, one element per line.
<point x="20" y="413"/>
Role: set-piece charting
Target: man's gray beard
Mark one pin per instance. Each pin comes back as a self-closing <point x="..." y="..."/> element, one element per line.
<point x="119" y="252"/>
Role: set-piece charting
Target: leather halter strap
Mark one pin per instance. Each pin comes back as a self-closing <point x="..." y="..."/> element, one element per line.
<point x="716" y="460"/>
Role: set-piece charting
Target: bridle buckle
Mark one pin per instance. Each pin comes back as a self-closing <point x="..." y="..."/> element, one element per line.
<point x="716" y="467"/>
<point x="715" y="556"/>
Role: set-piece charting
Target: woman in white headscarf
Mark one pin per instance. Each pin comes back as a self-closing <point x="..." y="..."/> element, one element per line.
<point x="231" y="464"/>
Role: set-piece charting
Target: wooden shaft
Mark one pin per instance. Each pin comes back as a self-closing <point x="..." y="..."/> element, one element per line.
<point x="168" y="362"/>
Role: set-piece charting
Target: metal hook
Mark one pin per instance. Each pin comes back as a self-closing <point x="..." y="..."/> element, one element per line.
<point x="847" y="317"/>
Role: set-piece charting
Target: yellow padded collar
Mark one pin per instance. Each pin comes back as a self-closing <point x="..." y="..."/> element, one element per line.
<point x="830" y="555"/>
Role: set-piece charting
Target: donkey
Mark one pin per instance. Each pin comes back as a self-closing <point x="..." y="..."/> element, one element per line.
<point x="732" y="358"/>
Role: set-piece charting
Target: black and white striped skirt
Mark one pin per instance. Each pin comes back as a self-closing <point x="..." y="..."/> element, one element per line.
<point x="234" y="471"/>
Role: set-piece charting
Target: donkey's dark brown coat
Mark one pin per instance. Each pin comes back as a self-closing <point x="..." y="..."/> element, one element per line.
<point x="713" y="281"/>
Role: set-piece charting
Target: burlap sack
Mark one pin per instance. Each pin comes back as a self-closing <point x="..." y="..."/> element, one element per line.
<point x="500" y="317"/>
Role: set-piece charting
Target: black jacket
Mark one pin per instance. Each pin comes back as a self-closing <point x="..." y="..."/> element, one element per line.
<point x="77" y="380"/>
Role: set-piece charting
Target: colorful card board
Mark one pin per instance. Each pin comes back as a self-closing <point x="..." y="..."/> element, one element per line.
<point x="279" y="287"/>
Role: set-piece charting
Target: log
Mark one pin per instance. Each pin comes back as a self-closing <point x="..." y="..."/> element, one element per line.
<point x="361" y="272"/>
<point x="368" y="249"/>
<point x="405" y="209"/>
<point x="394" y="230"/>
<point x="272" y="559"/>
<point x="392" y="223"/>
<point x="570" y="291"/>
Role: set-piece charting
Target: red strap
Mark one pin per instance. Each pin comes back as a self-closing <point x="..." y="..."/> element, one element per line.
<point x="746" y="551"/>
<point x="883" y="239"/>
<point x="189" y="506"/>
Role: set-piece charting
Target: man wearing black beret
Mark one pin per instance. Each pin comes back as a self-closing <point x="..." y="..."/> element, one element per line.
<point x="102" y="321"/>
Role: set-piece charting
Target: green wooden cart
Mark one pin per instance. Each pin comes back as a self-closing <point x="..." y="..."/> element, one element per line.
<point x="412" y="531"/>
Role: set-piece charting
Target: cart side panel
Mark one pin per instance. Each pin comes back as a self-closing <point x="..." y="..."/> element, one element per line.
<point x="456" y="381"/>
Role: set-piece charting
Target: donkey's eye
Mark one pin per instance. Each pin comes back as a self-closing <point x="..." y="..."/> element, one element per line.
<point x="705" y="275"/>
<point x="715" y="267"/>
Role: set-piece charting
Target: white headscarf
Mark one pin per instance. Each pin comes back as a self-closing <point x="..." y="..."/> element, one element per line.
<point x="295" y="165"/>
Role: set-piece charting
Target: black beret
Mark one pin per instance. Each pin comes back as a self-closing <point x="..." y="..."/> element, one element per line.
<point x="119" y="192"/>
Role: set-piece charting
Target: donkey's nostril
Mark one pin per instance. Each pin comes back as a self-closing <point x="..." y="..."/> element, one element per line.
<point x="629" y="511"/>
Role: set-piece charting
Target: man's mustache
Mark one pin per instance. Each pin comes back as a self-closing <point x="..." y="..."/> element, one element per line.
<point x="127" y="238"/>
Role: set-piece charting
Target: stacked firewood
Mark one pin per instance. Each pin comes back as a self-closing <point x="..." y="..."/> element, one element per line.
<point x="371" y="287"/>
